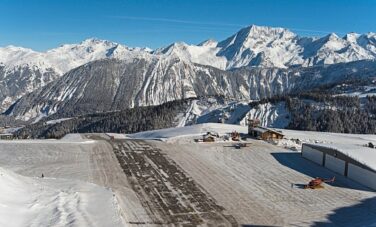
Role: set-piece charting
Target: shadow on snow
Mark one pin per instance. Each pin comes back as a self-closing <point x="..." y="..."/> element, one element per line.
<point x="361" y="214"/>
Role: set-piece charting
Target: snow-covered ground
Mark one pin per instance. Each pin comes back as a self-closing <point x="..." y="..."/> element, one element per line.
<point x="260" y="184"/>
<point x="78" y="189"/>
<point x="294" y="138"/>
<point x="28" y="201"/>
<point x="188" y="133"/>
<point x="354" y="144"/>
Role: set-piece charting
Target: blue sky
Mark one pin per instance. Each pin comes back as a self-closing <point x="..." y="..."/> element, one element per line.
<point x="44" y="24"/>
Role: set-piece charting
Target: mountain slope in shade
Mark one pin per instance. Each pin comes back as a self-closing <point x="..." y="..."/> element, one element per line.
<point x="21" y="80"/>
<point x="108" y="85"/>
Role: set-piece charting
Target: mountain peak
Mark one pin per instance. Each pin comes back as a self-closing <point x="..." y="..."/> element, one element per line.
<point x="209" y="43"/>
<point x="96" y="41"/>
<point x="351" y="37"/>
<point x="256" y="30"/>
<point x="332" y="36"/>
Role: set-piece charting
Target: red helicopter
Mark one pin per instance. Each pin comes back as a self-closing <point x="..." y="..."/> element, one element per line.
<point x="316" y="183"/>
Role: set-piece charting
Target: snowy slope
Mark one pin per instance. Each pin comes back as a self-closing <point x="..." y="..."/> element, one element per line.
<point x="270" y="115"/>
<point x="111" y="84"/>
<point x="261" y="46"/>
<point x="27" y="201"/>
<point x="204" y="54"/>
<point x="214" y="110"/>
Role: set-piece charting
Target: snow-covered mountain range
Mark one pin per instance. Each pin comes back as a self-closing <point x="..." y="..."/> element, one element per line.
<point x="251" y="46"/>
<point x="276" y="47"/>
<point x="68" y="56"/>
<point x="278" y="58"/>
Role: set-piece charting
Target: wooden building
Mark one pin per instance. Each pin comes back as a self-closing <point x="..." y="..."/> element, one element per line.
<point x="255" y="130"/>
<point x="264" y="133"/>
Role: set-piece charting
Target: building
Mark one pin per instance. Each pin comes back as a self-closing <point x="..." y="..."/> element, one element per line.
<point x="6" y="136"/>
<point x="355" y="162"/>
<point x="255" y="130"/>
<point x="265" y="133"/>
<point x="210" y="137"/>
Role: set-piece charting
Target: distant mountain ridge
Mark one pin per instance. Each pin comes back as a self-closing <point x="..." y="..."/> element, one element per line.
<point x="251" y="46"/>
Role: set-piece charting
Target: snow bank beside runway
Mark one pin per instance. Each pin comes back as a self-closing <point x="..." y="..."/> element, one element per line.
<point x="188" y="131"/>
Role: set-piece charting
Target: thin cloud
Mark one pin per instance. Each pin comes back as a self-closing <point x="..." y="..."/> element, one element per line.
<point x="170" y="20"/>
<point x="315" y="31"/>
<point x="174" y="21"/>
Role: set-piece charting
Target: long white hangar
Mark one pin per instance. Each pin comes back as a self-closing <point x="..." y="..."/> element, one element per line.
<point x="355" y="162"/>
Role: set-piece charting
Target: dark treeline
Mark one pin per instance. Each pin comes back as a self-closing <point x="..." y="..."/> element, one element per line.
<point x="324" y="112"/>
<point x="126" y="121"/>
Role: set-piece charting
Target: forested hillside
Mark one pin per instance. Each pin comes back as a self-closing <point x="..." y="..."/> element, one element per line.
<point x="324" y="112"/>
<point x="126" y="121"/>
